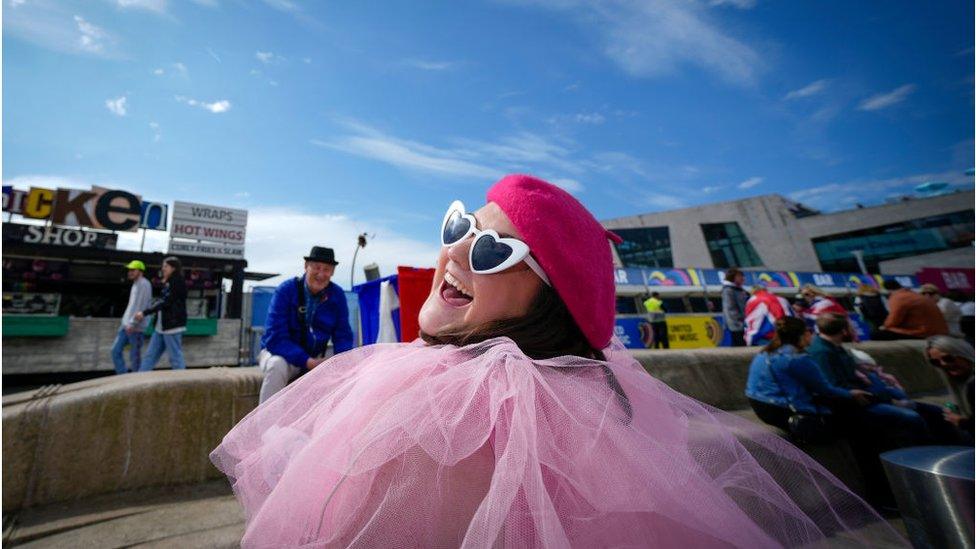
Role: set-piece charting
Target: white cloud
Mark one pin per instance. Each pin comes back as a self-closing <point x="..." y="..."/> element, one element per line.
<point x="428" y="65"/>
<point x="54" y="27"/>
<point x="116" y="106"/>
<point x="214" y="55"/>
<point x="567" y="184"/>
<point x="656" y="37"/>
<point x="409" y="155"/>
<point x="157" y="135"/>
<point x="158" y="72"/>
<point x="216" y="107"/>
<point x="590" y="118"/>
<point x="750" y="183"/>
<point x="307" y="60"/>
<point x="741" y="4"/>
<point x="91" y="38"/>
<point x="156" y="6"/>
<point x="16" y="3"/>
<point x="278" y="238"/>
<point x="885" y="100"/>
<point x="710" y="189"/>
<point x="871" y="190"/>
<point x="268" y="58"/>
<point x="180" y="68"/>
<point x="664" y="201"/>
<point x="809" y="90"/>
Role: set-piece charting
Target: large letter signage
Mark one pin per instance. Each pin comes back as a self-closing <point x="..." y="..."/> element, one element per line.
<point x="100" y="208"/>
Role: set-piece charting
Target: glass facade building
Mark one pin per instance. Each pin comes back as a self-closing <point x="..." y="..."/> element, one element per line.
<point x="919" y="236"/>
<point x="729" y="246"/>
<point x="645" y="247"/>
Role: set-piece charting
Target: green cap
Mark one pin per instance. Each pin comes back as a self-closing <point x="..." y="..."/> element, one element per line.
<point x="136" y="264"/>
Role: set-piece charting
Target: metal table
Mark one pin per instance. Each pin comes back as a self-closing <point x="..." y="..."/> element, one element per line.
<point x="933" y="486"/>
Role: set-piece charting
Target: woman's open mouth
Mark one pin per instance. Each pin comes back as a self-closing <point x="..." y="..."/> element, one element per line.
<point x="454" y="293"/>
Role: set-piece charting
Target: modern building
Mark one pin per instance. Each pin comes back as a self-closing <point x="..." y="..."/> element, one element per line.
<point x="771" y="232"/>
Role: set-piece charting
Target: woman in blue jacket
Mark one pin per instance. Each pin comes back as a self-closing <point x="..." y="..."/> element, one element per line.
<point x="783" y="380"/>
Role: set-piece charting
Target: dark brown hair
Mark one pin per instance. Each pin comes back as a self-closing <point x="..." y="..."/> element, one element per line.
<point x="789" y="331"/>
<point x="731" y="274"/>
<point x="546" y="331"/>
<point x="176" y="264"/>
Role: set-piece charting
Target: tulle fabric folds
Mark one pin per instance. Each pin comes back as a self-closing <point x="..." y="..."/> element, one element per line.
<point x="408" y="445"/>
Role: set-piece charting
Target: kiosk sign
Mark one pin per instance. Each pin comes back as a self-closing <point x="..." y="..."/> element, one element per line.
<point x="210" y="231"/>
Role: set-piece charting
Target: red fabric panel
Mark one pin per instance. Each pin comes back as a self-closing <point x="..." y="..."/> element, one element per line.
<point x="414" y="285"/>
<point x="948" y="279"/>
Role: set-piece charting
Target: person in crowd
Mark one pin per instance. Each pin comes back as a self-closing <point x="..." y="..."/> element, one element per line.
<point x="870" y="305"/>
<point x="517" y="420"/>
<point x="951" y="311"/>
<point x="955" y="357"/>
<point x="818" y="303"/>
<point x="783" y="379"/>
<point x="968" y="319"/>
<point x="734" y="298"/>
<point x="911" y="316"/>
<point x="901" y="421"/>
<point x="305" y="313"/>
<point x="131" y="330"/>
<point x="170" y="321"/>
<point x="763" y="309"/>
<point x="659" y="324"/>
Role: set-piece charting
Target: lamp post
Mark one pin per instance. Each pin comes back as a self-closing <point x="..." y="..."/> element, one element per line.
<point x="360" y="243"/>
<point x="859" y="255"/>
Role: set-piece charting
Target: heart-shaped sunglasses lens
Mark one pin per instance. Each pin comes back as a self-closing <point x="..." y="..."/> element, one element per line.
<point x="488" y="253"/>
<point x="455" y="227"/>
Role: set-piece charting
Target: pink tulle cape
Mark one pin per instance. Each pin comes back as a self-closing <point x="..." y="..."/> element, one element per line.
<point x="408" y="445"/>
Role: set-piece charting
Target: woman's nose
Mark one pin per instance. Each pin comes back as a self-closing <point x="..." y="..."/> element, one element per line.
<point x="459" y="254"/>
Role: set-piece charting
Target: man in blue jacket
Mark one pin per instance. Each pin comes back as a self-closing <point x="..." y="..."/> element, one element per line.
<point x="304" y="314"/>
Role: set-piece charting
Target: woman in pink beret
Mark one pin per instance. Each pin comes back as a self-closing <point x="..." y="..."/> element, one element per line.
<point x="518" y="421"/>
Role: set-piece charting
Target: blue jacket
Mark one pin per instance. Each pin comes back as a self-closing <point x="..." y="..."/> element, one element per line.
<point x="799" y="380"/>
<point x="282" y="331"/>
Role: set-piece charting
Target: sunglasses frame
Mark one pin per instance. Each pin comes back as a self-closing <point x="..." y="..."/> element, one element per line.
<point x="520" y="250"/>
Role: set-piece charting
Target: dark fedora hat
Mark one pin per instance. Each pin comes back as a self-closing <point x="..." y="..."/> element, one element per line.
<point x="322" y="255"/>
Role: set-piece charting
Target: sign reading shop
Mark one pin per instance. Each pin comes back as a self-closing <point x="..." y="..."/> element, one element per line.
<point x="99" y="208"/>
<point x="211" y="231"/>
<point x="58" y="236"/>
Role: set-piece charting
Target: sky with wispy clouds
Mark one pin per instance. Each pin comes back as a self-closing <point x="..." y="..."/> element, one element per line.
<point x="326" y="119"/>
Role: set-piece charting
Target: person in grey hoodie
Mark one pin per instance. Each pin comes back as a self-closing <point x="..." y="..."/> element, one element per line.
<point x="734" y="299"/>
<point x="131" y="330"/>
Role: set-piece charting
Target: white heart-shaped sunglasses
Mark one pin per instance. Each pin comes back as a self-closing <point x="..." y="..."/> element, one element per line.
<point x="489" y="253"/>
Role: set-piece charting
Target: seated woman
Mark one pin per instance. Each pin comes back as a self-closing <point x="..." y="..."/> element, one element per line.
<point x="517" y="421"/>
<point x="783" y="380"/>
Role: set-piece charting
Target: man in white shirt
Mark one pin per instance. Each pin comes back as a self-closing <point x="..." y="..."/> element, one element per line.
<point x="131" y="330"/>
<point x="950" y="309"/>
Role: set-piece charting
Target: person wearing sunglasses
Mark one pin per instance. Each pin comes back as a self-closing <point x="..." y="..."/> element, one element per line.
<point x="955" y="358"/>
<point x="518" y="420"/>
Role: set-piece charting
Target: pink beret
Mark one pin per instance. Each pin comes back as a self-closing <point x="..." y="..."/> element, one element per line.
<point x="569" y="244"/>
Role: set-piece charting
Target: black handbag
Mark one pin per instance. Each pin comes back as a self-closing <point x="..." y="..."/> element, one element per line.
<point x="803" y="427"/>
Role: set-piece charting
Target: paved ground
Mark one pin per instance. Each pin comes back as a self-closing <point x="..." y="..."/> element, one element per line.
<point x="204" y="515"/>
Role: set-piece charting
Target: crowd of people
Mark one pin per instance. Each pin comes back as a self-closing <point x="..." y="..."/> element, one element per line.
<point x="901" y="314"/>
<point x="807" y="383"/>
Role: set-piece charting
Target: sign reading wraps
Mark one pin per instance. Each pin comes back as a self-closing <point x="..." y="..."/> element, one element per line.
<point x="211" y="231"/>
<point x="58" y="236"/>
<point x="99" y="208"/>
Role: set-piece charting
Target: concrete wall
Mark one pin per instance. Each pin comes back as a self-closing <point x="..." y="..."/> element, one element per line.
<point x="124" y="432"/>
<point x="864" y="218"/>
<point x="119" y="433"/>
<point x="961" y="258"/>
<point x="771" y="228"/>
<point x="782" y="241"/>
<point x="88" y="347"/>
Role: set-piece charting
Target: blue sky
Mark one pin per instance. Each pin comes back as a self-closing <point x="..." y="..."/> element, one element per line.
<point x="325" y="119"/>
